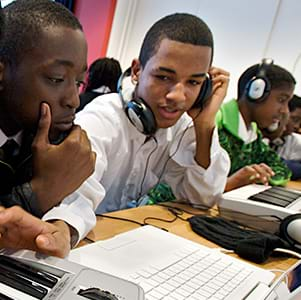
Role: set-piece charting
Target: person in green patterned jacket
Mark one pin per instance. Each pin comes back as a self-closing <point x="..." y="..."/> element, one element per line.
<point x="264" y="91"/>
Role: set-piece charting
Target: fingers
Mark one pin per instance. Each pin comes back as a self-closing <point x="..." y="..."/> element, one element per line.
<point x="49" y="245"/>
<point x="261" y="173"/>
<point x="43" y="125"/>
<point x="56" y="242"/>
<point x="11" y="215"/>
<point x="78" y="137"/>
<point x="220" y="78"/>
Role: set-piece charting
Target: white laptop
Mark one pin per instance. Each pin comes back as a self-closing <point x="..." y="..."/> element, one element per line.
<point x="272" y="201"/>
<point x="170" y="267"/>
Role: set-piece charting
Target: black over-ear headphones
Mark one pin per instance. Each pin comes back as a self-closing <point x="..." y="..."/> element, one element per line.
<point x="137" y="110"/>
<point x="259" y="87"/>
<point x="290" y="230"/>
<point x="141" y="115"/>
<point x="205" y="93"/>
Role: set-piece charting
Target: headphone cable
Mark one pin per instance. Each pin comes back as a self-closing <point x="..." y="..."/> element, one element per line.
<point x="178" y="146"/>
<point x="146" y="167"/>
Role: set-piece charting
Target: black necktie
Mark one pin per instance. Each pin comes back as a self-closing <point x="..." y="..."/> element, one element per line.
<point x="9" y="151"/>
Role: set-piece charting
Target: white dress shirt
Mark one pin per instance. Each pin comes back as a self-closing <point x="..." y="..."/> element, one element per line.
<point x="247" y="134"/>
<point x="128" y="164"/>
<point x="291" y="148"/>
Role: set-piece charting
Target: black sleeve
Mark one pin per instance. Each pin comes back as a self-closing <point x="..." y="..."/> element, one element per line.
<point x="23" y="196"/>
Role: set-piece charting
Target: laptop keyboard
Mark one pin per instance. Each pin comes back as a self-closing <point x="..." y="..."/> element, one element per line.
<point x="192" y="274"/>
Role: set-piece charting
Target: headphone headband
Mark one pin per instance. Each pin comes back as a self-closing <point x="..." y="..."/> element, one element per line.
<point x="259" y="87"/>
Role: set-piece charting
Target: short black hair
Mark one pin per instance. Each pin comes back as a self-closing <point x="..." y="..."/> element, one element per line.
<point x="103" y="71"/>
<point x="277" y="76"/>
<point x="27" y="19"/>
<point x="294" y="103"/>
<point x="179" y="27"/>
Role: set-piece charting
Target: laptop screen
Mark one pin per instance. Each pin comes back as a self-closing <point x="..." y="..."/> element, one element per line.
<point x="294" y="280"/>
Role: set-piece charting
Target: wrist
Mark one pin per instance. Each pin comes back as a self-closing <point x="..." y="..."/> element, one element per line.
<point x="43" y="195"/>
<point x="68" y="231"/>
<point x="65" y="229"/>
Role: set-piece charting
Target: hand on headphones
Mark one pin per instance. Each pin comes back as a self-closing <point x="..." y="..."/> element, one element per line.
<point x="220" y="81"/>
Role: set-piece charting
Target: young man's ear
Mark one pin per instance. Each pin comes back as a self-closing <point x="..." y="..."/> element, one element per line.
<point x="135" y="70"/>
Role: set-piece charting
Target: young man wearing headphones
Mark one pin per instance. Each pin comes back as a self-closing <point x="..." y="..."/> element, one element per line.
<point x="160" y="129"/>
<point x="264" y="91"/>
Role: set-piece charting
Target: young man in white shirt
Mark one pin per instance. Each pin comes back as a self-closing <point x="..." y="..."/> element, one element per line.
<point x="158" y="135"/>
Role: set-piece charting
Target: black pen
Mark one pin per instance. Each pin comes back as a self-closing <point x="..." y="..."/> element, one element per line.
<point x="21" y="284"/>
<point x="25" y="270"/>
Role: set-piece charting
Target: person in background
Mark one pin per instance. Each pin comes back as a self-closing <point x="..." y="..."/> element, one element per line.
<point x="103" y="75"/>
<point x="43" y="156"/>
<point x="294" y="121"/>
<point x="161" y="129"/>
<point x="286" y="139"/>
<point x="264" y="91"/>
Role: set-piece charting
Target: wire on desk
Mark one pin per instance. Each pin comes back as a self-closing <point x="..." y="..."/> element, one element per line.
<point x="182" y="209"/>
<point x="88" y="240"/>
<point x="120" y="219"/>
<point x="176" y="211"/>
<point x="158" y="219"/>
<point x="132" y="221"/>
<point x="287" y="251"/>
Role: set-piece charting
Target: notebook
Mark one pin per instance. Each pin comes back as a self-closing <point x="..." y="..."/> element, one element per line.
<point x="170" y="267"/>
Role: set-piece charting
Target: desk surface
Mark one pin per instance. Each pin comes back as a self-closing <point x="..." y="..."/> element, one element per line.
<point x="106" y="228"/>
<point x="294" y="184"/>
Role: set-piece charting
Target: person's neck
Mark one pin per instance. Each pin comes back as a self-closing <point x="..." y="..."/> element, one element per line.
<point x="245" y="111"/>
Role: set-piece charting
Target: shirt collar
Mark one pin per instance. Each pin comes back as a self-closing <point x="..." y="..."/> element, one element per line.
<point x="102" y="90"/>
<point x="17" y="138"/>
<point x="247" y="134"/>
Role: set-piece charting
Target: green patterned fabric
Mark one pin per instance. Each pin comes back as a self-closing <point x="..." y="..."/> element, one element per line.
<point x="242" y="154"/>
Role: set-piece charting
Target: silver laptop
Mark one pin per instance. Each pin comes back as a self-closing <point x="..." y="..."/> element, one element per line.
<point x="170" y="267"/>
<point x="26" y="275"/>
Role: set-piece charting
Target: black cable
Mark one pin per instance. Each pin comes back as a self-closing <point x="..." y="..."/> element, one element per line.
<point x="178" y="146"/>
<point x="133" y="221"/>
<point x="177" y="212"/>
<point x="88" y="240"/>
<point x="145" y="169"/>
<point x="120" y="219"/>
<point x="158" y="219"/>
<point x="200" y="207"/>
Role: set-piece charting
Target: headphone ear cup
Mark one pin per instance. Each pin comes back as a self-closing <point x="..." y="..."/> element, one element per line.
<point x="284" y="230"/>
<point x="137" y="110"/>
<point x="205" y="93"/>
<point x="141" y="116"/>
<point x="257" y="89"/>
